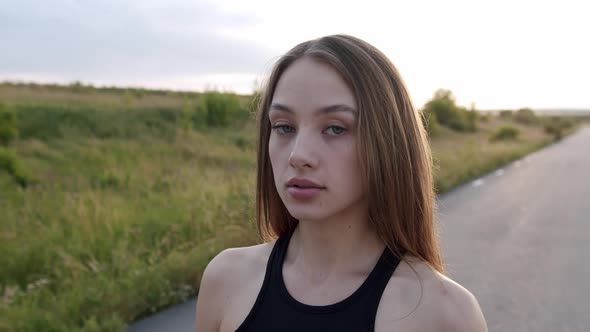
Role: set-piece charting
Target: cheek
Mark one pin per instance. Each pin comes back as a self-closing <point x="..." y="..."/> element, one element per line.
<point x="275" y="154"/>
<point x="272" y="149"/>
<point x="353" y="169"/>
<point x="348" y="154"/>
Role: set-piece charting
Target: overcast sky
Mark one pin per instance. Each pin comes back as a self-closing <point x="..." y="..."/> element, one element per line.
<point x="497" y="54"/>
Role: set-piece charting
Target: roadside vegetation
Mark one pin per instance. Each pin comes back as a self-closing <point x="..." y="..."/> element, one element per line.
<point x="114" y="200"/>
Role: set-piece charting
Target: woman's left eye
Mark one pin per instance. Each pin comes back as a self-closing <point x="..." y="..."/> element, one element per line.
<point x="337" y="130"/>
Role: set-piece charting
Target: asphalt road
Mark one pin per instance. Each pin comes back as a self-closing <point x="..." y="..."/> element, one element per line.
<point x="517" y="238"/>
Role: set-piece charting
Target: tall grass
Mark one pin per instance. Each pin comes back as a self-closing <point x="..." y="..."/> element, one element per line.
<point x="129" y="204"/>
<point x="116" y="228"/>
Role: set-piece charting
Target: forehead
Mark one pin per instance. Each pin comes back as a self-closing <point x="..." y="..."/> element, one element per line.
<point x="308" y="84"/>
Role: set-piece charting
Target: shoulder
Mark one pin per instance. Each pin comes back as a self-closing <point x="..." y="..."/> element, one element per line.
<point x="233" y="265"/>
<point x="224" y="276"/>
<point x="458" y="309"/>
<point x="418" y="297"/>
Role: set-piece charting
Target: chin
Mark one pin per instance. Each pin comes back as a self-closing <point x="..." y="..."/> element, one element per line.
<point x="305" y="213"/>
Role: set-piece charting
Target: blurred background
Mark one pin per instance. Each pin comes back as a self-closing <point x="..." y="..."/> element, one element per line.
<point x="127" y="136"/>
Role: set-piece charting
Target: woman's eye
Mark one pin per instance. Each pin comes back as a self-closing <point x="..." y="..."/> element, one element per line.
<point x="282" y="129"/>
<point x="337" y="130"/>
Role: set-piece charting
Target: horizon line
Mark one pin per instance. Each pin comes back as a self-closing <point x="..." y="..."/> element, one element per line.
<point x="200" y="91"/>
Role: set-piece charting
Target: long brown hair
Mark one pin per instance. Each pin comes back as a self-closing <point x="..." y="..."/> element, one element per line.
<point x="393" y="149"/>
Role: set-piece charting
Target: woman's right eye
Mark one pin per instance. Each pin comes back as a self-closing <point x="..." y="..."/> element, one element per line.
<point x="282" y="129"/>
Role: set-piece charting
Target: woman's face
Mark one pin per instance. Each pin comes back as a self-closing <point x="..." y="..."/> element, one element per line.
<point x="313" y="117"/>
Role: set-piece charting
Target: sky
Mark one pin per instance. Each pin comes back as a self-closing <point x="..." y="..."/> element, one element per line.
<point x="496" y="54"/>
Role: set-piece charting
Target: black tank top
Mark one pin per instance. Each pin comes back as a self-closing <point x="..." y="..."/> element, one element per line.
<point x="276" y="310"/>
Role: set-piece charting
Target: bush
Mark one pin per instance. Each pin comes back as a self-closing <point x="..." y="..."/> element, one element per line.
<point x="8" y="125"/>
<point x="430" y="123"/>
<point x="199" y="117"/>
<point x="79" y="87"/>
<point x="217" y="109"/>
<point x="47" y="122"/>
<point x="526" y="116"/>
<point x="184" y="120"/>
<point x="447" y="113"/>
<point x="555" y="126"/>
<point x="505" y="133"/>
<point x="10" y="164"/>
<point x="567" y="123"/>
<point x="554" y="129"/>
<point x="242" y="143"/>
<point x="484" y="117"/>
<point x="506" y="114"/>
<point x="471" y="117"/>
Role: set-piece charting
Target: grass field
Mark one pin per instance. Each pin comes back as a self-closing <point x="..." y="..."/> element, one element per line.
<point x="124" y="205"/>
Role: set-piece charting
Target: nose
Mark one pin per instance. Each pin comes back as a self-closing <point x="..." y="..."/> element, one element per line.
<point x="302" y="155"/>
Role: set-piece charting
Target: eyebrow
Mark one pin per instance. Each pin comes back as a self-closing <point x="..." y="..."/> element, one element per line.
<point x="324" y="110"/>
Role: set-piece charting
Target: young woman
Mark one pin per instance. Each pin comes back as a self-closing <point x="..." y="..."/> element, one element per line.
<point x="345" y="200"/>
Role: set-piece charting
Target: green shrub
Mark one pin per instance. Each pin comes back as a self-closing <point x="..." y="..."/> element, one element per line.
<point x="8" y="161"/>
<point x="472" y="116"/>
<point x="109" y="180"/>
<point x="505" y="133"/>
<point x="447" y="113"/>
<point x="79" y="87"/>
<point x="218" y="108"/>
<point x="241" y="143"/>
<point x="525" y="116"/>
<point x="555" y="126"/>
<point x="506" y="114"/>
<point x="199" y="117"/>
<point x="47" y="122"/>
<point x="11" y="165"/>
<point x="8" y="125"/>
<point x="554" y="129"/>
<point x="567" y="123"/>
<point x="184" y="121"/>
<point x="430" y="123"/>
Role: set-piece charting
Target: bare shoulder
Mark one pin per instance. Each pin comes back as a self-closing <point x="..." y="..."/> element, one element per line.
<point x="235" y="264"/>
<point x="458" y="309"/>
<point x="223" y="278"/>
<point x="419" y="298"/>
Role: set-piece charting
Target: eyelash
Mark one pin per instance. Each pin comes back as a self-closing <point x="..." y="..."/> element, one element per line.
<point x="278" y="127"/>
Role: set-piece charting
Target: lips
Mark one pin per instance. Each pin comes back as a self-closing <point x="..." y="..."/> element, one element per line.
<point x="303" y="183"/>
<point x="303" y="194"/>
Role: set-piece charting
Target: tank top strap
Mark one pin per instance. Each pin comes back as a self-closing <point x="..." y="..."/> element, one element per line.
<point x="385" y="269"/>
<point x="269" y="274"/>
<point x="276" y="261"/>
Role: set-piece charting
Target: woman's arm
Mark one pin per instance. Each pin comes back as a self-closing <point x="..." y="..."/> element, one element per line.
<point x="462" y="312"/>
<point x="208" y="311"/>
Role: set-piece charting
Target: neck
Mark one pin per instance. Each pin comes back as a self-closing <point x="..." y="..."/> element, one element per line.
<point x="341" y="245"/>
